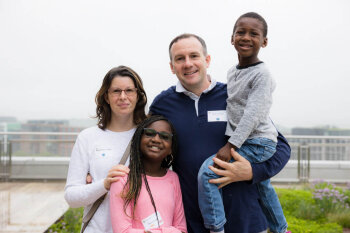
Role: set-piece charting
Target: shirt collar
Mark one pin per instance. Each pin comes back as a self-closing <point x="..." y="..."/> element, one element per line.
<point x="180" y="88"/>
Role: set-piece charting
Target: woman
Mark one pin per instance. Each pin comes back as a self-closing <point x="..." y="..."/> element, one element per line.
<point x="120" y="107"/>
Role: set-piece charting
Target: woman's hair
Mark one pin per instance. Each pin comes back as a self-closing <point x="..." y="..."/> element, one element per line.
<point x="133" y="184"/>
<point x="103" y="110"/>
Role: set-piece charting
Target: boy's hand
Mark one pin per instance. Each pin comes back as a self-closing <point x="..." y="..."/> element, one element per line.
<point x="224" y="154"/>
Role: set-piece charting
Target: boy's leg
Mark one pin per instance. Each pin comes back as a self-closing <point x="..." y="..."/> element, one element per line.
<point x="272" y="207"/>
<point x="210" y="199"/>
<point x="258" y="150"/>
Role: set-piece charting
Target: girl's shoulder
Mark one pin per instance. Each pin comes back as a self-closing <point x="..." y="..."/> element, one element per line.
<point x="172" y="175"/>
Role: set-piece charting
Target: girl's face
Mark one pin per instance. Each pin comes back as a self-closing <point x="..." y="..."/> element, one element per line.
<point x="156" y="141"/>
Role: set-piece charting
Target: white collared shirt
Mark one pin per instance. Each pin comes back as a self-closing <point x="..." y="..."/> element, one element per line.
<point x="180" y="88"/>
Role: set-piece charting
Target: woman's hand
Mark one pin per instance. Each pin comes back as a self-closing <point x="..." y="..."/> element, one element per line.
<point x="239" y="170"/>
<point x="114" y="175"/>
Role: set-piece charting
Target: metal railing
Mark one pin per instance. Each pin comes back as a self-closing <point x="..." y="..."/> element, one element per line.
<point x="60" y="144"/>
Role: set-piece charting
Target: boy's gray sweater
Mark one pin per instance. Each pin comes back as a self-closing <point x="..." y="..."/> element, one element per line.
<point x="248" y="104"/>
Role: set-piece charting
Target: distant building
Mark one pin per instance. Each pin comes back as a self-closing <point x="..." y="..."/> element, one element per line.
<point x="322" y="148"/>
<point x="8" y="119"/>
<point x="321" y="131"/>
<point x="45" y="145"/>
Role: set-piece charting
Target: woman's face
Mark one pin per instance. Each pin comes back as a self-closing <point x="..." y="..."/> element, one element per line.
<point x="122" y="96"/>
<point x="156" y="141"/>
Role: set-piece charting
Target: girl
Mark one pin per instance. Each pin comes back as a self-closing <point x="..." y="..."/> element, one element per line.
<point x="150" y="187"/>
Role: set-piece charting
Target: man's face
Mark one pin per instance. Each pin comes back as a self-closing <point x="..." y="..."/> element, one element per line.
<point x="190" y="64"/>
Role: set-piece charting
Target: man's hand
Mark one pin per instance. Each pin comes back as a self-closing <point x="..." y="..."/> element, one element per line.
<point x="224" y="154"/>
<point x="114" y="175"/>
<point x="239" y="170"/>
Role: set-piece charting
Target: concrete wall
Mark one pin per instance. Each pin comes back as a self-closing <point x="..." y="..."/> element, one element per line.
<point x="332" y="171"/>
<point x="39" y="168"/>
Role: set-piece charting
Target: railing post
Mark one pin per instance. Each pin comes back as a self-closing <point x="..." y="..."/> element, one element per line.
<point x="304" y="163"/>
<point x="5" y="160"/>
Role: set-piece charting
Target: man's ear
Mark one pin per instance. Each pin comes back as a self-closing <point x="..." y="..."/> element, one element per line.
<point x="208" y="59"/>
<point x="264" y="42"/>
<point x="172" y="67"/>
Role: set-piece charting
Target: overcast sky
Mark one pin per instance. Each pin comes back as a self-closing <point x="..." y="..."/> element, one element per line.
<point x="54" y="54"/>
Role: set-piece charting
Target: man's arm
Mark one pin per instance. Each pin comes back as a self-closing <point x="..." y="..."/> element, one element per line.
<point x="271" y="167"/>
<point x="242" y="170"/>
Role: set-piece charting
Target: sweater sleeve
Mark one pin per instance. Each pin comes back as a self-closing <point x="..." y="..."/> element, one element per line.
<point x="258" y="105"/>
<point x="272" y="166"/>
<point x="77" y="193"/>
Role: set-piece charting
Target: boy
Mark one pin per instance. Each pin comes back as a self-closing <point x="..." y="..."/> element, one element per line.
<point x="250" y="130"/>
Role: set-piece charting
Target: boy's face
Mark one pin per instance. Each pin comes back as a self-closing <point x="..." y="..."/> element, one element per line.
<point x="248" y="38"/>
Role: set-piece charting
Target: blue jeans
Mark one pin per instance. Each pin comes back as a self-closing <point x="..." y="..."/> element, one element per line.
<point x="255" y="150"/>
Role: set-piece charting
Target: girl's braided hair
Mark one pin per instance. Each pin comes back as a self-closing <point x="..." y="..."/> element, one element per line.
<point x="133" y="184"/>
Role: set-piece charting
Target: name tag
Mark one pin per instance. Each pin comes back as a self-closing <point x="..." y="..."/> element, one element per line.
<point x="219" y="115"/>
<point x="102" y="151"/>
<point x="151" y="221"/>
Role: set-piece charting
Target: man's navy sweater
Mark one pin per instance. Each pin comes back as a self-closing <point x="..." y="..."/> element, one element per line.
<point x="198" y="139"/>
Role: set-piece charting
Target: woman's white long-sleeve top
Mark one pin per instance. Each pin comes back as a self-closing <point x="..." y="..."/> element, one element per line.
<point x="95" y="152"/>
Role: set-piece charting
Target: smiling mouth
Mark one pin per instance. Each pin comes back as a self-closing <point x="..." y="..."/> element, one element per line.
<point x="245" y="46"/>
<point x="155" y="148"/>
<point x="190" y="73"/>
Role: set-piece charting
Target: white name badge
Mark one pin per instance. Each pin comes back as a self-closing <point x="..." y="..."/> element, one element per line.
<point x="151" y="221"/>
<point x="219" y="115"/>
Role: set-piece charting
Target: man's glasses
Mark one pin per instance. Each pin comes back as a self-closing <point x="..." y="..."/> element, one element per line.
<point x="151" y="133"/>
<point x="129" y="92"/>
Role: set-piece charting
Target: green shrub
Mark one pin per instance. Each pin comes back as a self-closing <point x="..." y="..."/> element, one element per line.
<point x="297" y="225"/>
<point x="70" y="222"/>
<point x="342" y="218"/>
<point x="300" y="204"/>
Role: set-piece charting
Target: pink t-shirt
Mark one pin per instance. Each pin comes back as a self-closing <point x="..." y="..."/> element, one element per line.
<point x="167" y="197"/>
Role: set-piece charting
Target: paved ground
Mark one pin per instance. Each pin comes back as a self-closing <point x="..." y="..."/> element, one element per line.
<point x="30" y="206"/>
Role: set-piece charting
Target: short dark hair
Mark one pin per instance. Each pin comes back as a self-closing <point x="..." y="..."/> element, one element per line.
<point x="185" y="36"/>
<point x="254" y="16"/>
<point x="103" y="110"/>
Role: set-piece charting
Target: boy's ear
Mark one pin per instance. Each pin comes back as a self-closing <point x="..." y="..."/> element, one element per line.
<point x="232" y="40"/>
<point x="264" y="42"/>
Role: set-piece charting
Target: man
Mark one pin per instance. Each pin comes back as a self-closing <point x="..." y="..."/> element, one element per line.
<point x="196" y="106"/>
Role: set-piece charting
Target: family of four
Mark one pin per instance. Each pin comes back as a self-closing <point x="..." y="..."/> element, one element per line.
<point x="218" y="139"/>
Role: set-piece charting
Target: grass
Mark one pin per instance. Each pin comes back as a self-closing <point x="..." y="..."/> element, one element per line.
<point x="320" y="207"/>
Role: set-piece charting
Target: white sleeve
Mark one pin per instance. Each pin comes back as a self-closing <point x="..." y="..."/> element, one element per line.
<point x="77" y="193"/>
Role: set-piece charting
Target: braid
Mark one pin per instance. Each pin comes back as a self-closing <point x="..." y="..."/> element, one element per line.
<point x="132" y="188"/>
